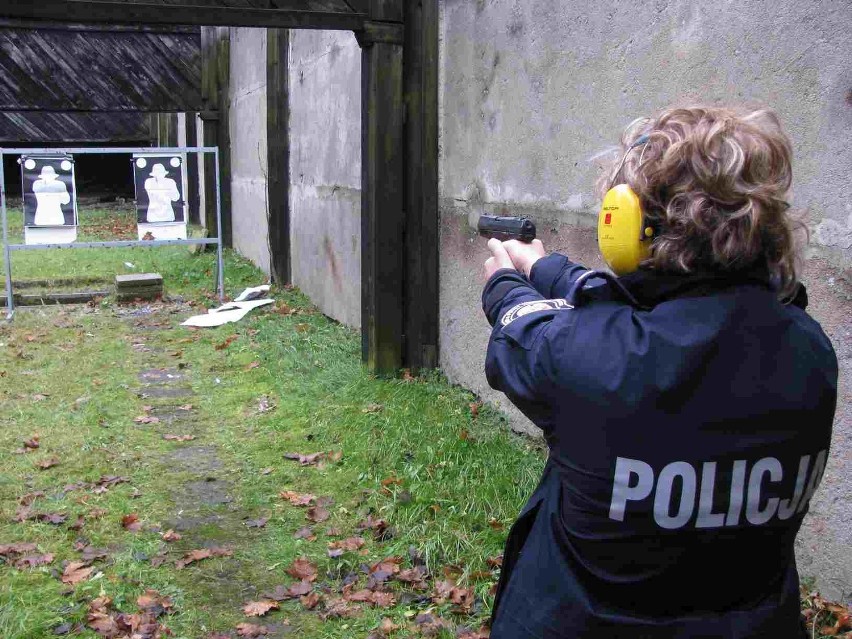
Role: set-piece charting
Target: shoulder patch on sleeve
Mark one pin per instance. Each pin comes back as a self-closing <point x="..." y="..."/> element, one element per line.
<point x="525" y="308"/>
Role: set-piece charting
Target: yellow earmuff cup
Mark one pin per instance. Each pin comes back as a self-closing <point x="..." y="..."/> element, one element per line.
<point x="621" y="232"/>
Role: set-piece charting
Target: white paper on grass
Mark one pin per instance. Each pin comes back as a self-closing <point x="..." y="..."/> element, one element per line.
<point x="231" y="312"/>
<point x="252" y="293"/>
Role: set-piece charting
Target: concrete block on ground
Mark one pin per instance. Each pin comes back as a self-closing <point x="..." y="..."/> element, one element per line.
<point x="145" y="286"/>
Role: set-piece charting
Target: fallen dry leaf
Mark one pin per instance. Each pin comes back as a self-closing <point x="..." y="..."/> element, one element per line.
<point x="415" y="576"/>
<point x="154" y="603"/>
<point x="29" y="498"/>
<point x="372" y="408"/>
<point x="52" y="518"/>
<point x="185" y="407"/>
<point x="44" y="464"/>
<point x="78" y="523"/>
<point x="310" y="601"/>
<point x="230" y="340"/>
<point x="89" y="553"/>
<point x="344" y="545"/>
<point x="200" y="554"/>
<point x="305" y="460"/>
<point x="178" y="438"/>
<point x="373" y="597"/>
<point x="32" y="443"/>
<point x="306" y="533"/>
<point x="171" y="535"/>
<point x="131" y="522"/>
<point x="252" y="366"/>
<point x="257" y="523"/>
<point x="75" y="572"/>
<point x="296" y="499"/>
<point x="339" y="608"/>
<point x="282" y="593"/>
<point x="31" y="561"/>
<point x="302" y="568"/>
<point x="264" y="404"/>
<point x="380" y="529"/>
<point x="259" y="608"/>
<point x="317" y="514"/>
<point x="251" y="630"/>
<point x="430" y="625"/>
<point x="19" y="548"/>
<point x="146" y="419"/>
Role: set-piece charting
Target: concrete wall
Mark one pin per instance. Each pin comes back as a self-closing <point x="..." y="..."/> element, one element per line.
<point x="325" y="170"/>
<point x="248" y="145"/>
<point x="532" y="91"/>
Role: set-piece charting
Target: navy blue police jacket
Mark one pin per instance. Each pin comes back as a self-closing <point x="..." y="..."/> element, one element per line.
<point x="686" y="440"/>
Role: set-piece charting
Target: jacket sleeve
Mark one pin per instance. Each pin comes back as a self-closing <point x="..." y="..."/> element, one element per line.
<point x="518" y="354"/>
<point x="553" y="276"/>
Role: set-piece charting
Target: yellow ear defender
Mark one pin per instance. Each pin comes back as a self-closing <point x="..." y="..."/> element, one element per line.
<point x="624" y="238"/>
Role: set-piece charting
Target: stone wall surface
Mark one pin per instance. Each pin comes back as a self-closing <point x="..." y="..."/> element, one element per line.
<point x="325" y="170"/>
<point x="248" y="145"/>
<point x="534" y="93"/>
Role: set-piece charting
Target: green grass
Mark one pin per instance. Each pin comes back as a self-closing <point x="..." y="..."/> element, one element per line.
<point x="460" y="478"/>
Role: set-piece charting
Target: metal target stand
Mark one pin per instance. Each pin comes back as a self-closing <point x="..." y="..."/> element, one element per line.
<point x="9" y="248"/>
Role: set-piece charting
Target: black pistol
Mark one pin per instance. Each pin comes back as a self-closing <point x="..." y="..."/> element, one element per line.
<point x="506" y="228"/>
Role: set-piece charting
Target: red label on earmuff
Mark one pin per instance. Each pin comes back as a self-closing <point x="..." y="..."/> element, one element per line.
<point x="608" y="219"/>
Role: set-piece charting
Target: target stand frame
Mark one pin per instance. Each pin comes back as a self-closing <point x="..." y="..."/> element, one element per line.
<point x="8" y="248"/>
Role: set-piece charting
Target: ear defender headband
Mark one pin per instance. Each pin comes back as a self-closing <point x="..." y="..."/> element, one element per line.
<point x="624" y="238"/>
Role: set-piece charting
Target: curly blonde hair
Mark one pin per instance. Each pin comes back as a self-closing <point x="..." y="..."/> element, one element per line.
<point x="714" y="182"/>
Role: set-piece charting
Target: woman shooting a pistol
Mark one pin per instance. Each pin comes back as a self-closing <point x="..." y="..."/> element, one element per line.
<point x="687" y="403"/>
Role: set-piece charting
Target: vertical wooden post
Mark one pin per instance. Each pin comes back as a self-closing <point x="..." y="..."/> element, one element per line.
<point x="215" y="81"/>
<point x="209" y="117"/>
<point x="153" y="128"/>
<point x="192" y="199"/>
<point x="224" y="77"/>
<point x="421" y="184"/>
<point x="278" y="151"/>
<point x="167" y="133"/>
<point x="382" y="199"/>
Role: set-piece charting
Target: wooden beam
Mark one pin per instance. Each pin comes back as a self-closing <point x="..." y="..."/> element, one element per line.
<point x="215" y="79"/>
<point x="97" y="11"/>
<point x="382" y="222"/>
<point x="421" y="184"/>
<point x="193" y="208"/>
<point x="45" y="25"/>
<point x="278" y="151"/>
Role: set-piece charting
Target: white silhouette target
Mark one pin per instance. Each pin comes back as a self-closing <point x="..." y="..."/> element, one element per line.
<point x="50" y="206"/>
<point x="160" y="204"/>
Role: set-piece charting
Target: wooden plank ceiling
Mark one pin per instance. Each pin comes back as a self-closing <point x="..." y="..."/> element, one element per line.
<point x="37" y="129"/>
<point x="99" y="70"/>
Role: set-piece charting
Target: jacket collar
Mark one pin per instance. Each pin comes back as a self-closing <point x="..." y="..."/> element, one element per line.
<point x="652" y="287"/>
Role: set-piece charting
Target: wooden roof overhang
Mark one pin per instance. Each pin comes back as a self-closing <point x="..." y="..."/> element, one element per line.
<point x="288" y="14"/>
